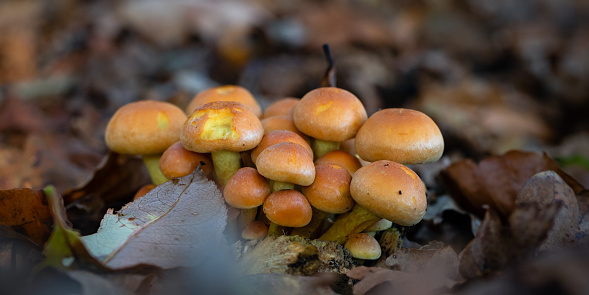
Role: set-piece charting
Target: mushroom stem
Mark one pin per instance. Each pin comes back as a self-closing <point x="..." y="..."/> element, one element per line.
<point x="280" y="185"/>
<point x="226" y="163"/>
<point x="246" y="216"/>
<point x="275" y="229"/>
<point x="322" y="147"/>
<point x="348" y="224"/>
<point x="152" y="163"/>
<point x="308" y="230"/>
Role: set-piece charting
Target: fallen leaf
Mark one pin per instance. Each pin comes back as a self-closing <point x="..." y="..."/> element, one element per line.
<point x="496" y="180"/>
<point x="18" y="255"/>
<point x="178" y="223"/>
<point x="544" y="189"/>
<point x="116" y="177"/>
<point x="27" y="211"/>
<point x="64" y="249"/>
<point x="377" y="280"/>
<point x="546" y="217"/>
<point x="442" y="262"/>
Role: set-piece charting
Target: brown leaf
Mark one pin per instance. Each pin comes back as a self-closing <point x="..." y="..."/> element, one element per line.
<point x="546" y="217"/>
<point x="544" y="189"/>
<point x="442" y="262"/>
<point x="376" y="280"/>
<point x="178" y="223"/>
<point x="26" y="211"/>
<point x="496" y="180"/>
<point x="18" y="255"/>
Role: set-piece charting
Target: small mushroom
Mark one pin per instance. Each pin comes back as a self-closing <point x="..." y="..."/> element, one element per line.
<point x="342" y="158"/>
<point x="286" y="163"/>
<point x="281" y="107"/>
<point x="282" y="123"/>
<point x="277" y="136"/>
<point x="363" y="246"/>
<point x="330" y="115"/>
<point x="145" y="128"/>
<point x="255" y="230"/>
<point x="225" y="93"/>
<point x="177" y="161"/>
<point x="288" y="208"/>
<point x="246" y="190"/>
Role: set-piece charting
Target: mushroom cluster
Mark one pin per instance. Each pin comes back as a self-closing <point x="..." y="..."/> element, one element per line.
<point x="285" y="169"/>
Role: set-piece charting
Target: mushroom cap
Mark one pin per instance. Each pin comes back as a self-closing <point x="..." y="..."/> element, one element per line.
<point x="363" y="246"/>
<point x="329" y="113"/>
<point x="144" y="127"/>
<point x="281" y="107"/>
<point x="288" y="208"/>
<point x="391" y="191"/>
<point x="246" y="189"/>
<point x="222" y="125"/>
<point x="342" y="158"/>
<point x="277" y="136"/>
<point x="177" y="161"/>
<point x="379" y="225"/>
<point x="287" y="162"/>
<point x="330" y="192"/>
<point x="255" y="230"/>
<point x="225" y="93"/>
<point x="281" y="123"/>
<point x="401" y="135"/>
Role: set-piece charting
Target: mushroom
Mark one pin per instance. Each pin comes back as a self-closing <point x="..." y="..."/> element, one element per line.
<point x="225" y="93"/>
<point x="330" y="115"/>
<point x="277" y="136"/>
<point x="246" y="190"/>
<point x="329" y="193"/>
<point x="383" y="189"/>
<point x="401" y="135"/>
<point x="342" y="158"/>
<point x="287" y="164"/>
<point x="145" y="128"/>
<point x="281" y="107"/>
<point x="363" y="246"/>
<point x="143" y="191"/>
<point x="287" y="208"/>
<point x="177" y="161"/>
<point x="255" y="230"/>
<point x="223" y="129"/>
<point x="282" y="123"/>
<point x="378" y="226"/>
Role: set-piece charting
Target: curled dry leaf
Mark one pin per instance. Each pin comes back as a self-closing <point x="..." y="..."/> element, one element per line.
<point x="496" y="180"/>
<point x="178" y="223"/>
<point x="26" y="211"/>
<point x="545" y="217"/>
<point x="117" y="177"/>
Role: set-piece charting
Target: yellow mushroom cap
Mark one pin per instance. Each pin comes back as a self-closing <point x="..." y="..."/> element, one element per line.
<point x="401" y="135"/>
<point x="223" y="125"/>
<point x="363" y="246"/>
<point x="329" y="113"/>
<point x="391" y="191"/>
<point x="225" y="93"/>
<point x="144" y="127"/>
<point x="345" y="159"/>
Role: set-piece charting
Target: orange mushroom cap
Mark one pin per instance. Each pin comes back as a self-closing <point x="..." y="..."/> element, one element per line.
<point x="225" y="93"/>
<point x="288" y="208"/>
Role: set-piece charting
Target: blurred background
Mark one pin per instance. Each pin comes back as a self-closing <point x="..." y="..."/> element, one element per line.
<point x="495" y="75"/>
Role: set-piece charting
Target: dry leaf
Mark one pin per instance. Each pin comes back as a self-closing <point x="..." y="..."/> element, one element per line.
<point x="28" y="212"/>
<point x="116" y="177"/>
<point x="496" y="180"/>
<point x="546" y="217"/>
<point x="178" y="223"/>
<point x="376" y="281"/>
<point x="18" y="255"/>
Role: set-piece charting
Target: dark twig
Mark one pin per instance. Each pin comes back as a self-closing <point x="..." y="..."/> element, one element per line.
<point x="328" y="79"/>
